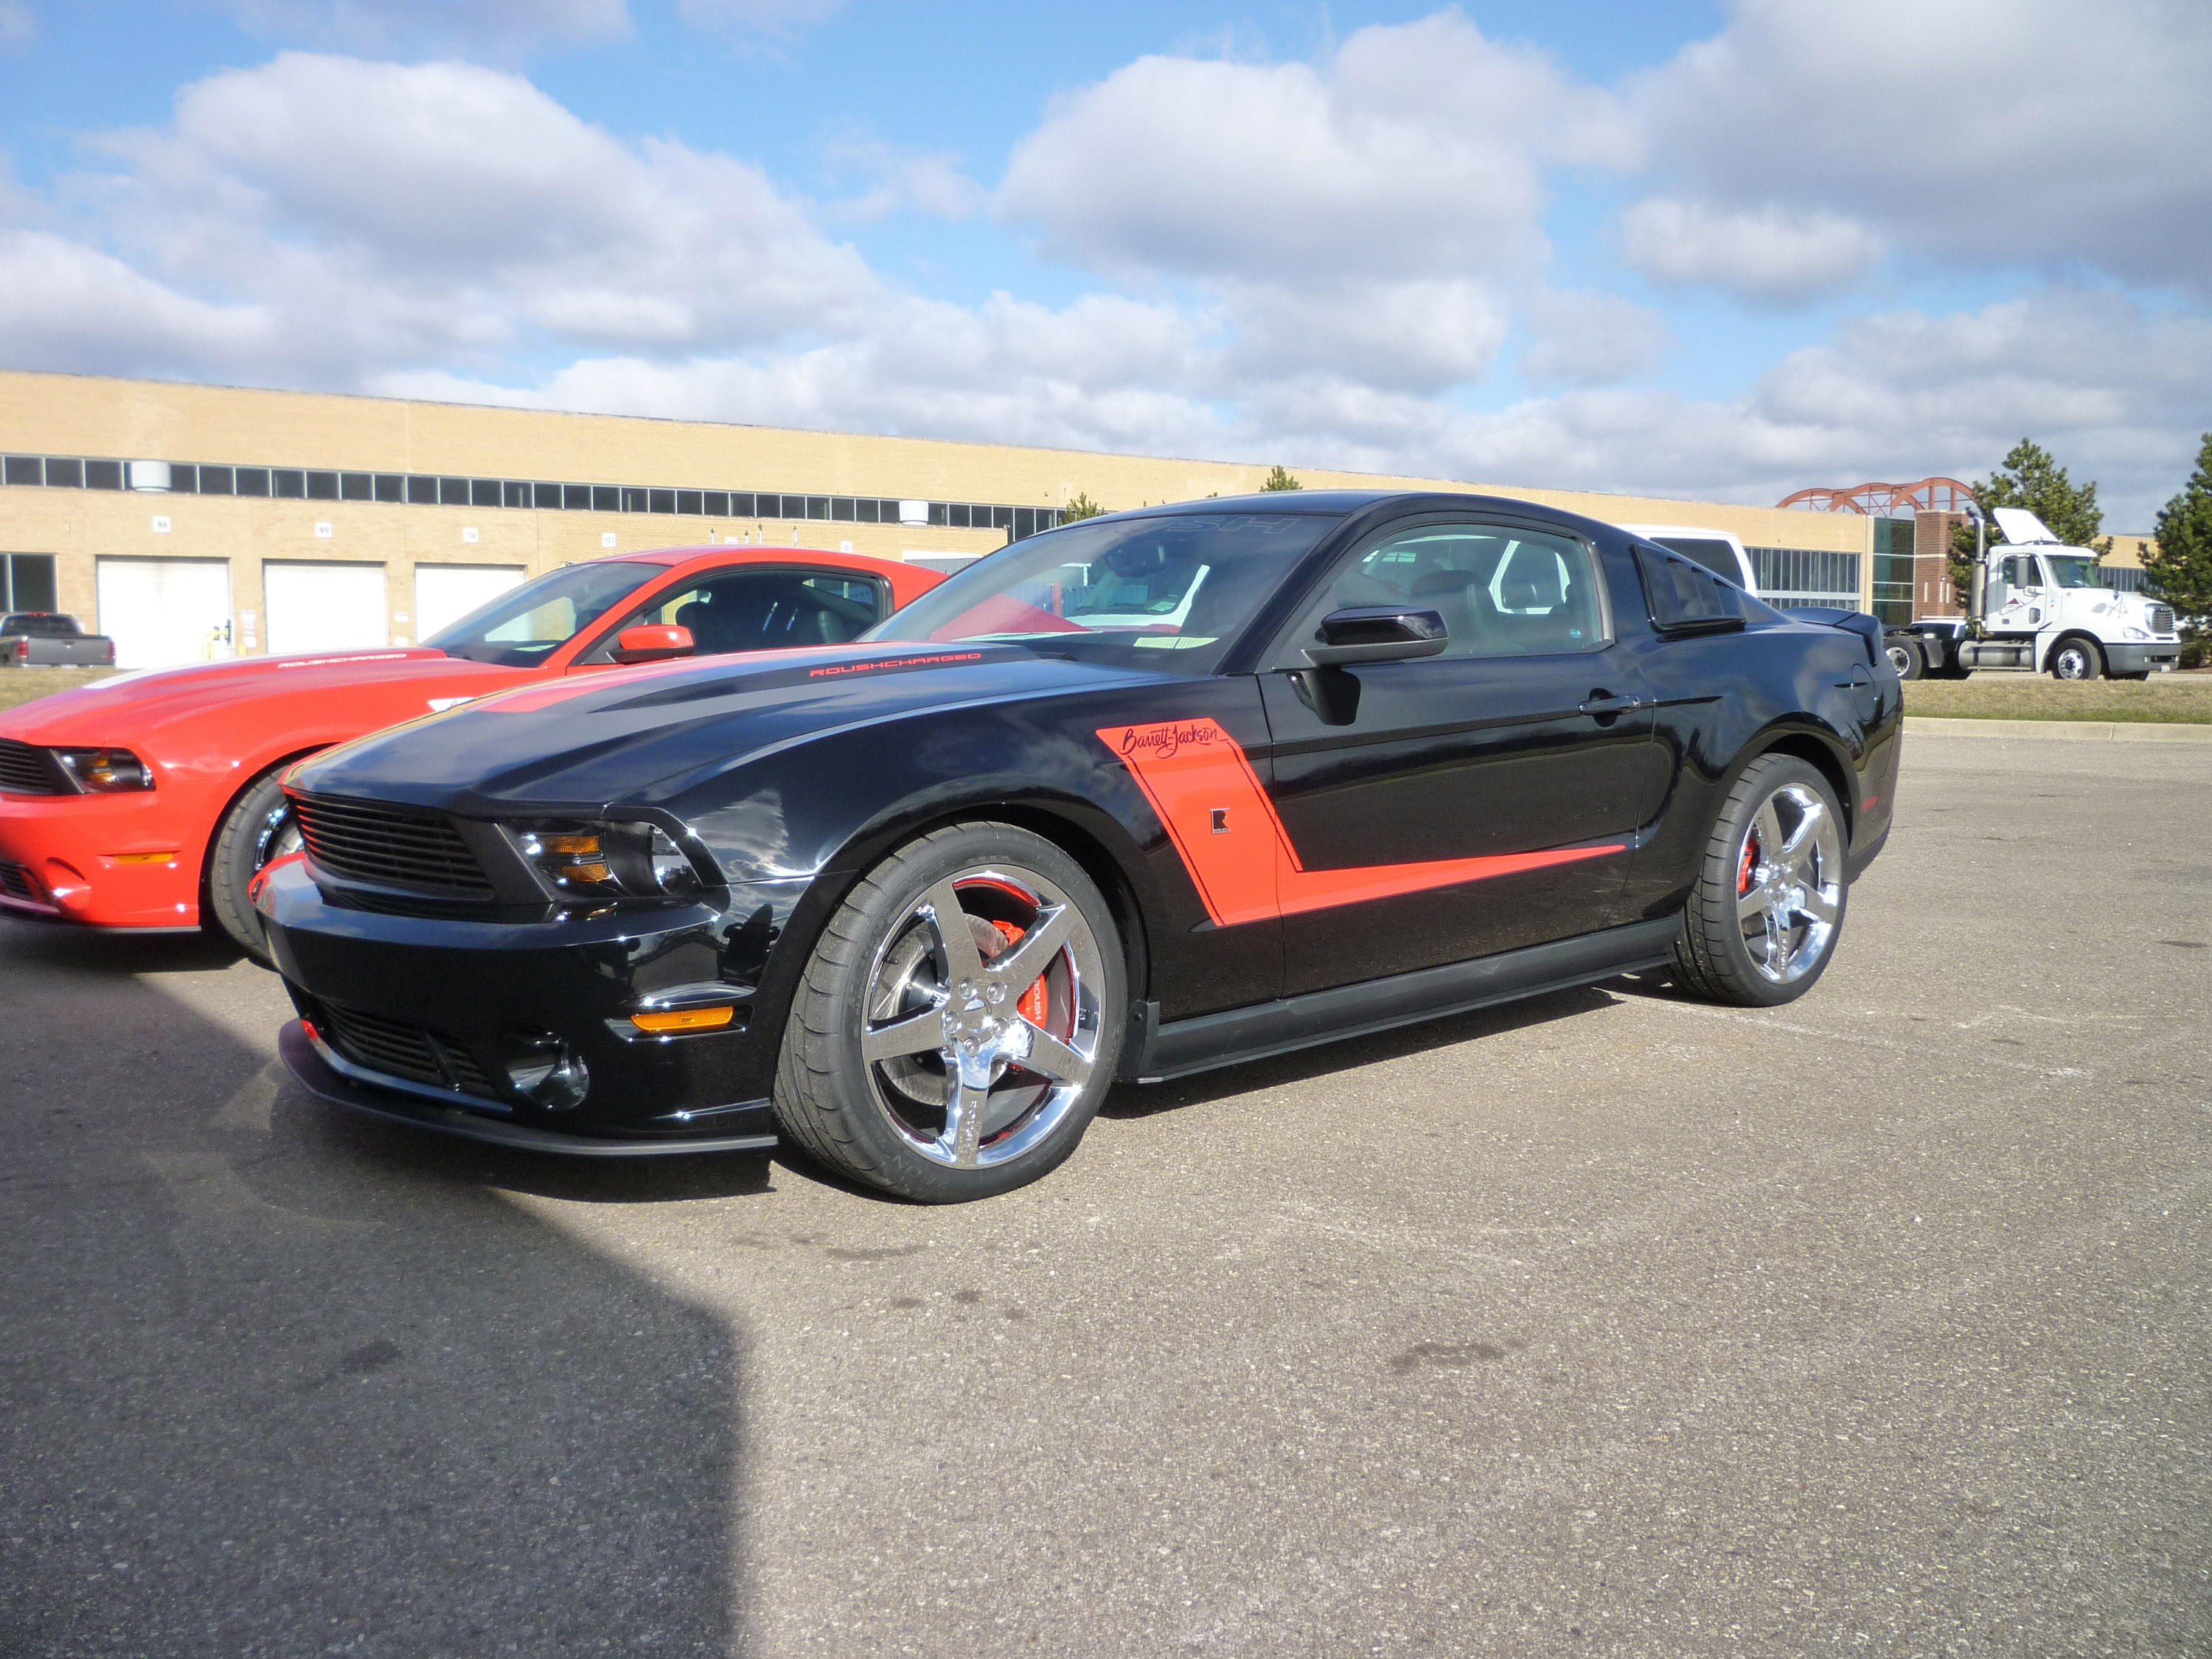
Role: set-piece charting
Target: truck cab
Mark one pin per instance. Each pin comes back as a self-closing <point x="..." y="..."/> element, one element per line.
<point x="2044" y="606"/>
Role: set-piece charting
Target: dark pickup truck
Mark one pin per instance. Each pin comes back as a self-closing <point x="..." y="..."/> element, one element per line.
<point x="43" y="639"/>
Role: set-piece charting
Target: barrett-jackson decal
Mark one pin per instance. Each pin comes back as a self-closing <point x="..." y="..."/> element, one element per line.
<point x="1226" y="831"/>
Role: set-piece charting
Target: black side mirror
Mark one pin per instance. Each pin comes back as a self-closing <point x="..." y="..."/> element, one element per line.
<point x="1378" y="633"/>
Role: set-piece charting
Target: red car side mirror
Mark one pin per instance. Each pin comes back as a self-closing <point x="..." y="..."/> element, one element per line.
<point x="653" y="643"/>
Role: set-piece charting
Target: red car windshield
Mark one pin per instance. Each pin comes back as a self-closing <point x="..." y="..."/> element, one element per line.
<point x="522" y="628"/>
<point x="1170" y="592"/>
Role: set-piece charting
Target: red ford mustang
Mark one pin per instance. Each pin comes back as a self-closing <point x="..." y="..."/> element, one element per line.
<point x="147" y="802"/>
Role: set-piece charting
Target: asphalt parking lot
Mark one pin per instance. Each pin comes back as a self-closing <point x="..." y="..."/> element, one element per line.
<point x="1607" y="1324"/>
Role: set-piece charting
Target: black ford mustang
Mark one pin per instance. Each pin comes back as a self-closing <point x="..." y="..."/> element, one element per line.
<point x="1146" y="794"/>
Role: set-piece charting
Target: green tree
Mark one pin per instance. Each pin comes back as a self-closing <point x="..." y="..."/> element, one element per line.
<point x="2180" y="571"/>
<point x="1081" y="508"/>
<point x="2032" y="479"/>
<point x="1280" y="479"/>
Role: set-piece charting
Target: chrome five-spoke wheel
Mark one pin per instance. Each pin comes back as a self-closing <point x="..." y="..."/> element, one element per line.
<point x="960" y="1019"/>
<point x="1789" y="881"/>
<point x="983" y="1017"/>
<point x="1763" y="915"/>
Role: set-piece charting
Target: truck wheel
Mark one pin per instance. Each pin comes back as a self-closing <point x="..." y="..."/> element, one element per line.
<point x="960" y="1019"/>
<point x="1905" y="657"/>
<point x="259" y="828"/>
<point x="2077" y="659"/>
<point x="1767" y="908"/>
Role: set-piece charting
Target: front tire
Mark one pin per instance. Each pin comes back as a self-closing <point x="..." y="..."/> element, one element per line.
<point x="1905" y="657"/>
<point x="959" y="1022"/>
<point x="1767" y="908"/>
<point x="259" y="828"/>
<point x="2077" y="659"/>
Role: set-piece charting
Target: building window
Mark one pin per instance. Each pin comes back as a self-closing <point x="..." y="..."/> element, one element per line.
<point x="67" y="474"/>
<point x="217" y="481"/>
<point x="486" y="492"/>
<point x="741" y="504"/>
<point x="607" y="498"/>
<point x="103" y="475"/>
<point x="715" y="503"/>
<point x="452" y="492"/>
<point x="290" y="483"/>
<point x="512" y="493"/>
<point x="660" y="501"/>
<point x="24" y="470"/>
<point x="183" y="480"/>
<point x="389" y="487"/>
<point x="27" y="582"/>
<point x="253" y="481"/>
<point x="356" y="487"/>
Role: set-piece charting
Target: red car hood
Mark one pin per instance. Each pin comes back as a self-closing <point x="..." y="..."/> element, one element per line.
<point x="364" y="689"/>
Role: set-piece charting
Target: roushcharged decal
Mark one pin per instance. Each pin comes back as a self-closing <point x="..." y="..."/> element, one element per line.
<point x="1226" y="832"/>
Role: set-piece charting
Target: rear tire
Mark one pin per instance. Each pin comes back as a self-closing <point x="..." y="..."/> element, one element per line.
<point x="2077" y="659"/>
<point x="1767" y="908"/>
<point x="960" y="1020"/>
<point x="259" y="827"/>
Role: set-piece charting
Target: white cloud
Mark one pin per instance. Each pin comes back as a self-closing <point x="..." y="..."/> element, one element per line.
<point x="1416" y="149"/>
<point x="390" y="213"/>
<point x="1770" y="255"/>
<point x="501" y="26"/>
<point x="1989" y="132"/>
<point x="1590" y="339"/>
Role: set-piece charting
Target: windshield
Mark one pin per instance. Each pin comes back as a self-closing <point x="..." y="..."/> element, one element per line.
<point x="522" y="628"/>
<point x="2074" y="573"/>
<point x="1167" y="592"/>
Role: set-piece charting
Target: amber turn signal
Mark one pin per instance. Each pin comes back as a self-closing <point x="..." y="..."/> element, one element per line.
<point x="684" y="1019"/>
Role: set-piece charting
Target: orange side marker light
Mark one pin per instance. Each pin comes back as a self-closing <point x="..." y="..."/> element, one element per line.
<point x="683" y="1019"/>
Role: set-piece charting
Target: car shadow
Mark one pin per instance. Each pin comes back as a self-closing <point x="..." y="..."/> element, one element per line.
<point x="58" y="944"/>
<point x="1139" y="1100"/>
<point x="276" y="1381"/>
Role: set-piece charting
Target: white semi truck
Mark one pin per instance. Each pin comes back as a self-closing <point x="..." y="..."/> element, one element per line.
<point x="2036" y="605"/>
<point x="2039" y="605"/>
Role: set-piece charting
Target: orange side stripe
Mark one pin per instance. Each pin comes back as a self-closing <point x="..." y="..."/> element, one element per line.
<point x="1195" y="775"/>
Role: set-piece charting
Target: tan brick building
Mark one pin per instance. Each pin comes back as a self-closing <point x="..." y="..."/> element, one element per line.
<point x="191" y="522"/>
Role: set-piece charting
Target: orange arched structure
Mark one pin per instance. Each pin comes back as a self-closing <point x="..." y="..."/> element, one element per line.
<point x="1883" y="501"/>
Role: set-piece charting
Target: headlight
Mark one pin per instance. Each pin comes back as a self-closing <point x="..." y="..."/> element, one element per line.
<point x="2135" y="633"/>
<point x="594" y="859"/>
<point x="104" y="771"/>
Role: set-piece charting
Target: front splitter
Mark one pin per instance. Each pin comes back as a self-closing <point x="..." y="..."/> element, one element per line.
<point x="316" y="1075"/>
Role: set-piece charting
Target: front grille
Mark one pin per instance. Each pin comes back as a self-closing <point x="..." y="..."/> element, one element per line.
<point x="27" y="771"/>
<point x="376" y="843"/>
<point x="15" y="883"/>
<point x="398" y="1049"/>
<point x="2161" y="619"/>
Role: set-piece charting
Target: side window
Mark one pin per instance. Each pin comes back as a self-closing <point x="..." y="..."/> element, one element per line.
<point x="1685" y="597"/>
<point x="1502" y="592"/>
<point x="768" y="609"/>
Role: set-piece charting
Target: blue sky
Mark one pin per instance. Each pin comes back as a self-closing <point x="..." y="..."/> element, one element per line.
<point x="1705" y="250"/>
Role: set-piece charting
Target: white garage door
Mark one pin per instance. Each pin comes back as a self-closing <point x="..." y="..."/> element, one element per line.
<point x="313" y="608"/>
<point x="165" y="613"/>
<point x="444" y="593"/>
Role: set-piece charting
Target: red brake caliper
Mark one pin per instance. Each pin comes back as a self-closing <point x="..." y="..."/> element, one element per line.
<point x="1033" y="1003"/>
<point x="1750" y="858"/>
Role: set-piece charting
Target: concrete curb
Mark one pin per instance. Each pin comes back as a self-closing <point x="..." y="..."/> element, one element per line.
<point x="2073" y="730"/>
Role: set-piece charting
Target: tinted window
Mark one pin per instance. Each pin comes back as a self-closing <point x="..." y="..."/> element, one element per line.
<point x="1685" y="595"/>
<point x="41" y="628"/>
<point x="768" y="609"/>
<point x="1168" y="592"/>
<point x="1716" y="556"/>
<point x="1502" y="592"/>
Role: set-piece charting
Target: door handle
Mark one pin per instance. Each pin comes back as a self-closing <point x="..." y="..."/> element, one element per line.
<point x="1603" y="703"/>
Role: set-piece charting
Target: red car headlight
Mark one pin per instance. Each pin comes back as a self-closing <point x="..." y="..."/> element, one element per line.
<point x="104" y="771"/>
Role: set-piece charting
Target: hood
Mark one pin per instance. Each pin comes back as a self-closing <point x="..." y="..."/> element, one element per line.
<point x="646" y="735"/>
<point x="130" y="706"/>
